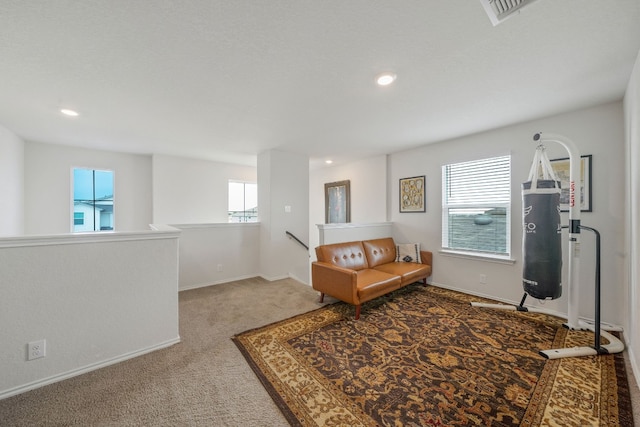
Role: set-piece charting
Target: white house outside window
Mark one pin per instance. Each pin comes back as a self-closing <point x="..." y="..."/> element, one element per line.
<point x="92" y="200"/>
<point x="243" y="201"/>
<point x="476" y="207"/>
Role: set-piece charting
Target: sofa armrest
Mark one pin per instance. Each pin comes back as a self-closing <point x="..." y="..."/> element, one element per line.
<point x="427" y="258"/>
<point x="340" y="283"/>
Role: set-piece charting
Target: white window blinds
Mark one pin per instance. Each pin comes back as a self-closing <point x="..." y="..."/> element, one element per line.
<point x="476" y="206"/>
<point x="479" y="181"/>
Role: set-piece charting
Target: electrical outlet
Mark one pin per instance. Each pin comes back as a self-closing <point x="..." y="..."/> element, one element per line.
<point x="483" y="279"/>
<point x="219" y="267"/>
<point x="36" y="349"/>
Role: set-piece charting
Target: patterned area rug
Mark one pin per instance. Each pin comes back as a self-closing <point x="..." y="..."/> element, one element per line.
<point x="423" y="356"/>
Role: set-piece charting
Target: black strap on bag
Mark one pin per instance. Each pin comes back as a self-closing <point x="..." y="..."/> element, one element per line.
<point x="542" y="230"/>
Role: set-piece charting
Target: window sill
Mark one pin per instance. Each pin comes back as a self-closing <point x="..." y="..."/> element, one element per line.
<point x="500" y="259"/>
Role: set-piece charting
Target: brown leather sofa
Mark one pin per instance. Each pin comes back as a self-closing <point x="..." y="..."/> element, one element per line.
<point x="357" y="272"/>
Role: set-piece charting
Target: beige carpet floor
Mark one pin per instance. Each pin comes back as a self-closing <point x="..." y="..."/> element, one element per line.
<point x="203" y="381"/>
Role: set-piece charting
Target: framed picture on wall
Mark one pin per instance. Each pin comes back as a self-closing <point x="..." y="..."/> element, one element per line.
<point x="337" y="202"/>
<point x="412" y="194"/>
<point x="561" y="169"/>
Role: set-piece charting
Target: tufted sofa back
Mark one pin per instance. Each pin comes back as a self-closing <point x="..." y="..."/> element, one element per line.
<point x="380" y="251"/>
<point x="347" y="255"/>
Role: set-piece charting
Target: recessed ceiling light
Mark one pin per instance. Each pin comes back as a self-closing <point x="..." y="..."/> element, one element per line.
<point x="69" y="113"/>
<point x="385" y="79"/>
<point x="328" y="161"/>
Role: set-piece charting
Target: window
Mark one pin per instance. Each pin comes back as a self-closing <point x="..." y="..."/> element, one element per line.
<point x="92" y="200"/>
<point x="243" y="202"/>
<point x="476" y="206"/>
<point x="78" y="218"/>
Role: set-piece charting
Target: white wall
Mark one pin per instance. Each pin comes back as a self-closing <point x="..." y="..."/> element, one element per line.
<point x="632" y="151"/>
<point x="368" y="182"/>
<point x="11" y="184"/>
<point x="598" y="131"/>
<point x="96" y="299"/>
<point x="217" y="253"/>
<point x="283" y="181"/>
<point x="190" y="191"/>
<point x="185" y="191"/>
<point x="349" y="232"/>
<point x="48" y="192"/>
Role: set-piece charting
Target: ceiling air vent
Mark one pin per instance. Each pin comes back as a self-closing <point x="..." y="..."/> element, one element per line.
<point x="499" y="10"/>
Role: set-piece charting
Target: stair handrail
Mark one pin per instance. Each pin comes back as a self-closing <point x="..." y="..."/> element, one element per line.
<point x="292" y="236"/>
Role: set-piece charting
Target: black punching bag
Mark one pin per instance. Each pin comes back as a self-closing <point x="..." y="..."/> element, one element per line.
<point x="541" y="240"/>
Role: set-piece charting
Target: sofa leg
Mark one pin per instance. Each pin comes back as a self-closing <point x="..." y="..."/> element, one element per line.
<point x="424" y="282"/>
<point x="357" y="311"/>
<point x="321" y="297"/>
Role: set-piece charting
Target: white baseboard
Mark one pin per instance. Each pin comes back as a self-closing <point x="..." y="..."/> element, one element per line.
<point x="233" y="279"/>
<point x="294" y="277"/>
<point x="83" y="370"/>
<point x="217" y="282"/>
<point x="510" y="302"/>
<point x="493" y="297"/>
<point x="634" y="365"/>
<point x="274" y="278"/>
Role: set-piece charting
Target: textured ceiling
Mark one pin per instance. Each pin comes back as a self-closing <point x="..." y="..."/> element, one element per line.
<point x="226" y="80"/>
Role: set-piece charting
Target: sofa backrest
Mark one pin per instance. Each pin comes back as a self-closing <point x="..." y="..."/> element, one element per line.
<point x="347" y="255"/>
<point x="379" y="251"/>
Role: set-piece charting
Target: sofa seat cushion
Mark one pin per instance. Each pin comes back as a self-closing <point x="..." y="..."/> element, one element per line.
<point x="409" y="271"/>
<point x="374" y="283"/>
